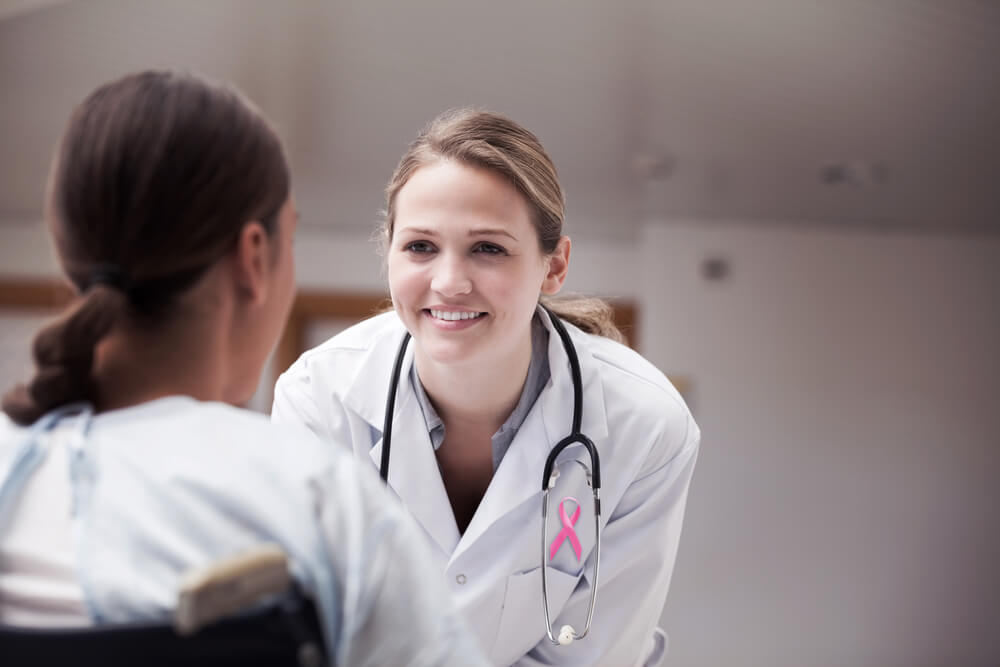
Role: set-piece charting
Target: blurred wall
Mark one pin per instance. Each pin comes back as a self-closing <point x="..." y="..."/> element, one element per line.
<point x="844" y="507"/>
<point x="25" y="249"/>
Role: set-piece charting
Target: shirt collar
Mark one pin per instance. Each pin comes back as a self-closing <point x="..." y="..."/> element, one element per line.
<point x="538" y="376"/>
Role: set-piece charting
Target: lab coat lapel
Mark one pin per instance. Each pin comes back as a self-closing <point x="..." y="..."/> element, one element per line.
<point x="368" y="389"/>
<point x="519" y="477"/>
<point x="413" y="472"/>
<point x="517" y="480"/>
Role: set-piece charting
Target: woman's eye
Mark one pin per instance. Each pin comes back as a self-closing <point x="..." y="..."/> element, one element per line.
<point x="490" y="249"/>
<point x="418" y="247"/>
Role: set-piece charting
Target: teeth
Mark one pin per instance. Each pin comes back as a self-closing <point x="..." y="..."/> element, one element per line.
<point x="452" y="316"/>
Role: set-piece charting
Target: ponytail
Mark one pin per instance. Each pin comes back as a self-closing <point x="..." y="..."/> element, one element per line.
<point x="64" y="356"/>
<point x="592" y="315"/>
<point x="155" y="177"/>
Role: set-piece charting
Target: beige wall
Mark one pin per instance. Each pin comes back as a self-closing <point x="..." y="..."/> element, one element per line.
<point x="844" y="507"/>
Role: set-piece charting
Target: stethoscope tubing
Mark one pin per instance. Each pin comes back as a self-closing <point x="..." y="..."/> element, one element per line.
<point x="593" y="480"/>
<point x="390" y="407"/>
<point x="549" y="473"/>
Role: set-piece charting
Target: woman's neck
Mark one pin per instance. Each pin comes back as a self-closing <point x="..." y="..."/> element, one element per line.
<point x="185" y="357"/>
<point x="480" y="396"/>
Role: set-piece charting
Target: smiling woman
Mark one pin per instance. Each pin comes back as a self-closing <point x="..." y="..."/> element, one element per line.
<point x="465" y="257"/>
<point x="474" y="250"/>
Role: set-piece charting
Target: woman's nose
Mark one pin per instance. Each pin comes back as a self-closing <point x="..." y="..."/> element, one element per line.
<point x="451" y="277"/>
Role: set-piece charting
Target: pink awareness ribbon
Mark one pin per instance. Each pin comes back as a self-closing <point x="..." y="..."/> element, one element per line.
<point x="567" y="530"/>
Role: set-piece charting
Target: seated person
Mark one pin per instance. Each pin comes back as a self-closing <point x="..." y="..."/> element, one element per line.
<point x="123" y="462"/>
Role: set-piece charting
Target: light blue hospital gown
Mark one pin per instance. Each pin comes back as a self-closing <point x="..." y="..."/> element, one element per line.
<point x="176" y="483"/>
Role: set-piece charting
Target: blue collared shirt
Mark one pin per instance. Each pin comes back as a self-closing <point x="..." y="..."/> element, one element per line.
<point x="538" y="376"/>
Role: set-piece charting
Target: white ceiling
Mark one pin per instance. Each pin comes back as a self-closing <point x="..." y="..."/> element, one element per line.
<point x="704" y="109"/>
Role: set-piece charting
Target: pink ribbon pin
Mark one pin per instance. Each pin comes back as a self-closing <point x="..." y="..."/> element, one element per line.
<point x="567" y="530"/>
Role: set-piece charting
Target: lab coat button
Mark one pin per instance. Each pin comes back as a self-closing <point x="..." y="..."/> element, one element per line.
<point x="460" y="579"/>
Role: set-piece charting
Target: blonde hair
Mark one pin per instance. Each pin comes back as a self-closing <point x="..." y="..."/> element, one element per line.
<point x="493" y="142"/>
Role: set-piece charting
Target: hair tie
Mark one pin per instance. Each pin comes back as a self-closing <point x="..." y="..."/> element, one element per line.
<point x="110" y="275"/>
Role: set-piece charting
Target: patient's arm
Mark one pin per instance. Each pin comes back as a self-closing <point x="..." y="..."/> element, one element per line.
<point x="396" y="608"/>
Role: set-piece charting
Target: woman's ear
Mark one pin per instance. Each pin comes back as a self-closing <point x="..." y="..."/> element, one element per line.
<point x="557" y="267"/>
<point x="252" y="262"/>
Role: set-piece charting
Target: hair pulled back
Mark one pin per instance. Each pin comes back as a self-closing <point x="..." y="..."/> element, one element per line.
<point x="156" y="175"/>
<point x="494" y="142"/>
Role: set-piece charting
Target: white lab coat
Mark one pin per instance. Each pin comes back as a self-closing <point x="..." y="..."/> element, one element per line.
<point x="648" y="445"/>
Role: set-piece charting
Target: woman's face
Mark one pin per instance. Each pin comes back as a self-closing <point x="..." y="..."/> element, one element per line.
<point x="464" y="264"/>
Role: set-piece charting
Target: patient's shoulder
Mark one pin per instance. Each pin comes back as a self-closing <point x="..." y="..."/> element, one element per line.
<point x="181" y="433"/>
<point x="10" y="435"/>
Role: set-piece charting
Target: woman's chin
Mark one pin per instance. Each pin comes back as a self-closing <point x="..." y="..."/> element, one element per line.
<point x="449" y="352"/>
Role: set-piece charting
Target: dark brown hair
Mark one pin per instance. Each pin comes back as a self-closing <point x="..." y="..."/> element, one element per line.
<point x="155" y="177"/>
<point x="496" y="143"/>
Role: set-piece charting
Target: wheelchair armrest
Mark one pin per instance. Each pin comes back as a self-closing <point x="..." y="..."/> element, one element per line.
<point x="228" y="586"/>
<point x="212" y="613"/>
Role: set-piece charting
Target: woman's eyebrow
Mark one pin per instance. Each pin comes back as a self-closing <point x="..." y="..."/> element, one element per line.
<point x="479" y="231"/>
<point x="491" y="231"/>
<point x="420" y="231"/>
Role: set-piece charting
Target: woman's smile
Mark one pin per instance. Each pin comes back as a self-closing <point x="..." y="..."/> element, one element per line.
<point x="454" y="320"/>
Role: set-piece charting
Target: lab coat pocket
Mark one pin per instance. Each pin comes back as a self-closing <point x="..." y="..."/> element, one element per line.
<point x="522" y="621"/>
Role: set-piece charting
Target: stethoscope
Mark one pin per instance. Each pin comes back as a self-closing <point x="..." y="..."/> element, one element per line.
<point x="567" y="633"/>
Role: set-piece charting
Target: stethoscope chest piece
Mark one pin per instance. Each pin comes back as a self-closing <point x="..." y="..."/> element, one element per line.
<point x="567" y="633"/>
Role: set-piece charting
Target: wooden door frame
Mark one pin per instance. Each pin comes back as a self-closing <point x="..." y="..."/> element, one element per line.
<point x="310" y="305"/>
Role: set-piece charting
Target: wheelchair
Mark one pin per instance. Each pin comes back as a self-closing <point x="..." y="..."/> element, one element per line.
<point x="211" y="625"/>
